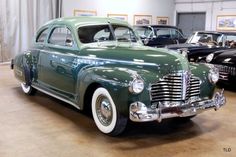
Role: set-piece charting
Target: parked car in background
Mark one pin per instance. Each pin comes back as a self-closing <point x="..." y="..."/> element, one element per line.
<point x="202" y="43"/>
<point x="101" y="65"/>
<point x="160" y="35"/>
<point x="225" y="61"/>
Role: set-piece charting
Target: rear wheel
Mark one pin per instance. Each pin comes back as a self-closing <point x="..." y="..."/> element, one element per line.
<point x="105" y="114"/>
<point x="27" y="89"/>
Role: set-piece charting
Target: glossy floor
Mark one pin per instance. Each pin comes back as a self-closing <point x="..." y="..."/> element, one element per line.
<point x="41" y="126"/>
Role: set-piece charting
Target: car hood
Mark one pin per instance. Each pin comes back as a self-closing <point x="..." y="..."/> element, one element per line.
<point x="141" y="57"/>
<point x="227" y="57"/>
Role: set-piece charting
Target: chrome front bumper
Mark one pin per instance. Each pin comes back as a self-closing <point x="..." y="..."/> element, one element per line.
<point x="140" y="113"/>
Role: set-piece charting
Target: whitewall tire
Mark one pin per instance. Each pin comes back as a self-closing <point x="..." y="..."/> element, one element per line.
<point x="105" y="114"/>
<point x="29" y="90"/>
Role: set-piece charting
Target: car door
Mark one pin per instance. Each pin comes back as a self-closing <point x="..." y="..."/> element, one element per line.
<point x="163" y="37"/>
<point x="39" y="43"/>
<point x="57" y="60"/>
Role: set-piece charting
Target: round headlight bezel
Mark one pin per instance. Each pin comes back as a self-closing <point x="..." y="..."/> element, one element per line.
<point x="209" y="57"/>
<point x="136" y="86"/>
<point x="213" y="75"/>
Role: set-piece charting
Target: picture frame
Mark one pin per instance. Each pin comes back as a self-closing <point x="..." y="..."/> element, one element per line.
<point x="85" y="12"/>
<point x="123" y="17"/>
<point x="142" y="19"/>
<point x="162" y="20"/>
<point x="226" y="23"/>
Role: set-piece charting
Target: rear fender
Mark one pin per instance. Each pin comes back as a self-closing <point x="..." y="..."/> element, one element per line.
<point x="23" y="68"/>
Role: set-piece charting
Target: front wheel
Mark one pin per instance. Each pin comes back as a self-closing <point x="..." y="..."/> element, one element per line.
<point x="27" y="89"/>
<point x="105" y="114"/>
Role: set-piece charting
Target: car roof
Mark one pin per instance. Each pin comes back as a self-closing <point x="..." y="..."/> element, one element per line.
<point x="217" y="32"/>
<point x="78" y="21"/>
<point x="157" y="26"/>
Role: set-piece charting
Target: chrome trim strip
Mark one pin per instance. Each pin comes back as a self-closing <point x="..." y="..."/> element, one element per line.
<point x="95" y="59"/>
<point x="57" y="97"/>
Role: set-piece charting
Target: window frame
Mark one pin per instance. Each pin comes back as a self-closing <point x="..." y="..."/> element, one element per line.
<point x="53" y="27"/>
<point x="39" y="33"/>
<point x="95" y="24"/>
<point x="180" y="36"/>
<point x="111" y="28"/>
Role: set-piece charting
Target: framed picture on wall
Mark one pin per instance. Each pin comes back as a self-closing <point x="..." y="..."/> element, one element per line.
<point x="85" y="12"/>
<point x="162" y="20"/>
<point x="226" y="22"/>
<point x="123" y="17"/>
<point x="142" y="19"/>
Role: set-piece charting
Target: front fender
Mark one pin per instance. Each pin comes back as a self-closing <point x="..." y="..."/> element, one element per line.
<point x="201" y="71"/>
<point x="116" y="80"/>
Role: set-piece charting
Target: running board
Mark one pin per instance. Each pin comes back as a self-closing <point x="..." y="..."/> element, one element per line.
<point x="57" y="97"/>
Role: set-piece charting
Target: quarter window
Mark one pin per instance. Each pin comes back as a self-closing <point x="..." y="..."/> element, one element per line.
<point x="42" y="36"/>
<point x="61" y="36"/>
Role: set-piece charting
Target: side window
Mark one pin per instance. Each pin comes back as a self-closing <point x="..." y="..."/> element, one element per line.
<point x="91" y="34"/>
<point x="144" y="32"/>
<point x="124" y="34"/>
<point x="231" y="38"/>
<point x="102" y="35"/>
<point x="163" y="33"/>
<point x="42" y="36"/>
<point x="61" y="36"/>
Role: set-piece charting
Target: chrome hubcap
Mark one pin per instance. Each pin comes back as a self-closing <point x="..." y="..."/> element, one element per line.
<point x="104" y="110"/>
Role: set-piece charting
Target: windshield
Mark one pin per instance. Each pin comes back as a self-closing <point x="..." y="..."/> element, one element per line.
<point x="104" y="33"/>
<point x="206" y="38"/>
<point x="144" y="32"/>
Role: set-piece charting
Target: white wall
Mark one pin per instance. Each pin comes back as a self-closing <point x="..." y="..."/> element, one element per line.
<point x="213" y="8"/>
<point x="130" y="7"/>
<point x="19" y="21"/>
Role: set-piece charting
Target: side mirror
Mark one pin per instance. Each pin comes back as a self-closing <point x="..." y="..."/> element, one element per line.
<point x="69" y="43"/>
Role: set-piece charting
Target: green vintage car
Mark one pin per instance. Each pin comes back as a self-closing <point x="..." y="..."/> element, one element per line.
<point x="100" y="64"/>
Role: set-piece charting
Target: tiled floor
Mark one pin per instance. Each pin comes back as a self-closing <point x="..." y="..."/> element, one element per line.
<point x="41" y="126"/>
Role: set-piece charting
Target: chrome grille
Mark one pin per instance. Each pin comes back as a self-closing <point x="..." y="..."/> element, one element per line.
<point x="225" y="71"/>
<point x="175" y="87"/>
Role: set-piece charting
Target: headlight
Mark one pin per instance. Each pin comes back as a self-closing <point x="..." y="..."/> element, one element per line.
<point x="136" y="86"/>
<point x="213" y="75"/>
<point x="209" y="57"/>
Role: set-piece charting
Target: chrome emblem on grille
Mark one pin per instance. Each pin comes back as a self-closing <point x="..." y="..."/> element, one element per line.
<point x="185" y="84"/>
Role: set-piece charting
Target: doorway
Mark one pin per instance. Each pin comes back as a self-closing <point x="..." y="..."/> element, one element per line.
<point x="191" y="22"/>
